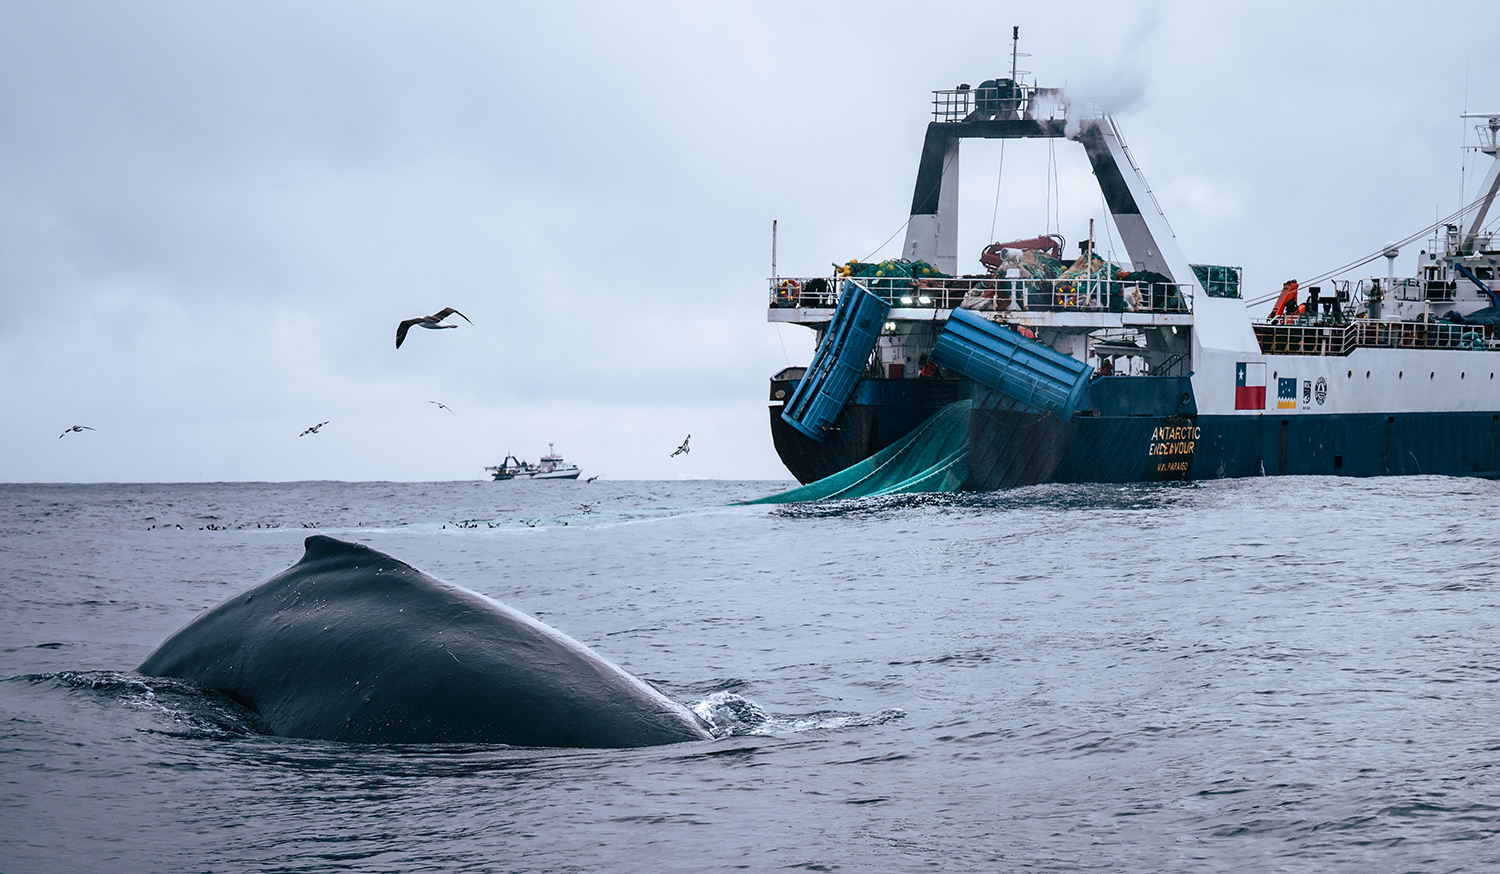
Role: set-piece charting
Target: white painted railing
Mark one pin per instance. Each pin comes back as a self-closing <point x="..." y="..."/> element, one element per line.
<point x="990" y="294"/>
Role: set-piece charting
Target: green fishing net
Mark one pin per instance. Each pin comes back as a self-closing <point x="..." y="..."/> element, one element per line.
<point x="932" y="458"/>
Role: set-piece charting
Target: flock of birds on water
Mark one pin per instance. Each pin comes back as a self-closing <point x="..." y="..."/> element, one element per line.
<point x="434" y="322"/>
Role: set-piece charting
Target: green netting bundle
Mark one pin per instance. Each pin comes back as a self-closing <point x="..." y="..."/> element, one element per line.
<point x="1218" y="281"/>
<point x="891" y="277"/>
<point x="1085" y="283"/>
<point x="1090" y="268"/>
<point x="1025" y="275"/>
<point x="923" y="270"/>
<point x="858" y="268"/>
<point x="1146" y="276"/>
<point x="892" y="267"/>
<point x="1040" y="265"/>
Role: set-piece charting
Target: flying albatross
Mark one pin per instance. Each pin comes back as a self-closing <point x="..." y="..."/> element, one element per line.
<point x="312" y="430"/>
<point x="67" y="431"/>
<point x="433" y="321"/>
<point x="683" y="449"/>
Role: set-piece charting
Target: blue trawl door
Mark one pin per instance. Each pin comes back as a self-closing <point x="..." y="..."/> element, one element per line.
<point x="839" y="362"/>
<point x="1001" y="359"/>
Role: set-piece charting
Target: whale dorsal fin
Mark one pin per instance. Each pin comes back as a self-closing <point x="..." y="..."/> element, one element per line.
<point x="321" y="546"/>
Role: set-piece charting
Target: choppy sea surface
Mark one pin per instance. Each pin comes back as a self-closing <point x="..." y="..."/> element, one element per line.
<point x="1275" y="674"/>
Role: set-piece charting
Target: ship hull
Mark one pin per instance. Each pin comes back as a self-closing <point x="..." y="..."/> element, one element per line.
<point x="881" y="412"/>
<point x="1350" y="444"/>
<point x="1145" y="429"/>
<point x="571" y="473"/>
<point x="1014" y="449"/>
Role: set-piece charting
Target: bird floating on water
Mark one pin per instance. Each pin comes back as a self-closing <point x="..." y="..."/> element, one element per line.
<point x="683" y="449"/>
<point x="312" y="430"/>
<point x="433" y="322"/>
<point x="444" y="406"/>
<point x="67" y="431"/>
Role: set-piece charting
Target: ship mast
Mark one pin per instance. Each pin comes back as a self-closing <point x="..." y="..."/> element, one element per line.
<point x="1015" y="40"/>
<point x="1491" y="182"/>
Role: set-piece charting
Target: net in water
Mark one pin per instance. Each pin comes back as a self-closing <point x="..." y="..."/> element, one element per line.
<point x="932" y="458"/>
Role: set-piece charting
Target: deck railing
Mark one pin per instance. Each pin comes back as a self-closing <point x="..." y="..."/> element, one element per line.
<point x="1003" y="101"/>
<point x="990" y="294"/>
<point x="1370" y="334"/>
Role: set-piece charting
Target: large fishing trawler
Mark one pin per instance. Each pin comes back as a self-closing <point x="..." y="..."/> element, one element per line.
<point x="552" y="466"/>
<point x="1086" y="371"/>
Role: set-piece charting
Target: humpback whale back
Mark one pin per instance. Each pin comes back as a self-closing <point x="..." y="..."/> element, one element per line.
<point x="350" y="644"/>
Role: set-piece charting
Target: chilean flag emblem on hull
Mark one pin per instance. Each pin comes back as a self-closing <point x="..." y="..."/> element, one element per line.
<point x="1250" y="386"/>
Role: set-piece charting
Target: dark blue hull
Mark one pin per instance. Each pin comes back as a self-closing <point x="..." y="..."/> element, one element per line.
<point x="1137" y="432"/>
<point x="1005" y="453"/>
<point x="1146" y="429"/>
<point x="1368" y="444"/>
<point x="880" y="412"/>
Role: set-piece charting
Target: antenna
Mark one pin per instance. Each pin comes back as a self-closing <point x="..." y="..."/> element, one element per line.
<point x="1016" y="39"/>
<point x="773" y="249"/>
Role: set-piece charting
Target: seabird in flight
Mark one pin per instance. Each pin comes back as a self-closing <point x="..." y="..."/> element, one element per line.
<point x="67" y="431"/>
<point x="683" y="449"/>
<point x="312" y="430"/>
<point x="433" y="321"/>
<point x="445" y="406"/>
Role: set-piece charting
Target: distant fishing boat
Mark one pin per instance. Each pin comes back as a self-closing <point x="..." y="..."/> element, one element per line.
<point x="552" y="466"/>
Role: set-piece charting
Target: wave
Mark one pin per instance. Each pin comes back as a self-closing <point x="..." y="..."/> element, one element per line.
<point x="732" y="715"/>
<point x="182" y="708"/>
<point x="189" y="710"/>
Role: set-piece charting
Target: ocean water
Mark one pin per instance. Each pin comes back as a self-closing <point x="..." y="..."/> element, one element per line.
<point x="1275" y="674"/>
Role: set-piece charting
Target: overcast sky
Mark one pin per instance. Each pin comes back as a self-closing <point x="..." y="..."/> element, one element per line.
<point x="212" y="215"/>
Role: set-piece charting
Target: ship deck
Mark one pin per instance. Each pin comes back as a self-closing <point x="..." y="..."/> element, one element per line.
<point x="1084" y="320"/>
<point x="1084" y="304"/>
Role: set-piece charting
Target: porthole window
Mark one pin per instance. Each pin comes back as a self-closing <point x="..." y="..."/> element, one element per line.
<point x="1367" y="374"/>
<point x="1351" y="374"/>
<point x="1432" y="374"/>
<point x="1460" y="375"/>
<point x="1400" y="373"/>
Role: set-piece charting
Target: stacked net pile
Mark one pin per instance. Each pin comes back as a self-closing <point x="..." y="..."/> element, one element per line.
<point x="891" y="278"/>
